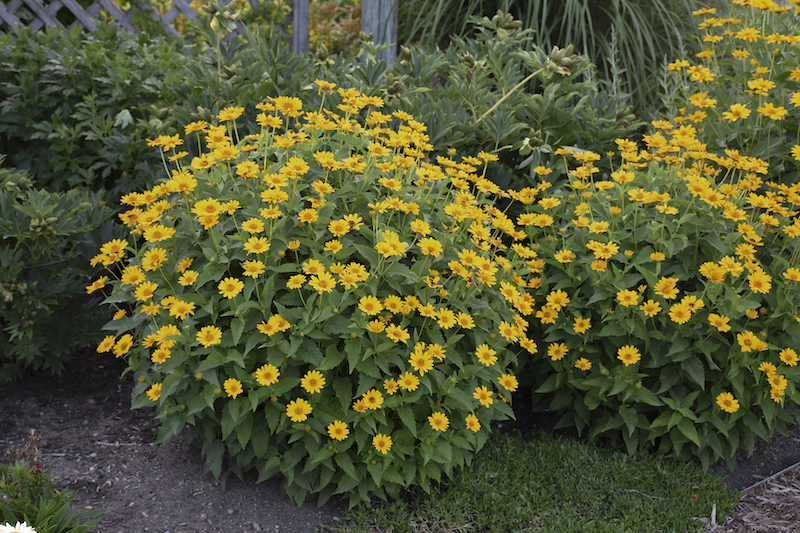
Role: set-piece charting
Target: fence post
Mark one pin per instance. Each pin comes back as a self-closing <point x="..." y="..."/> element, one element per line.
<point x="379" y="17"/>
<point x="300" y="21"/>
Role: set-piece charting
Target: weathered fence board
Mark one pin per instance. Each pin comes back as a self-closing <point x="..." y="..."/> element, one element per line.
<point x="379" y="17"/>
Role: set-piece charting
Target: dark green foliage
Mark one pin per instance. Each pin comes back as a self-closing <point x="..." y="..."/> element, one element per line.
<point x="48" y="241"/>
<point x="78" y="109"/>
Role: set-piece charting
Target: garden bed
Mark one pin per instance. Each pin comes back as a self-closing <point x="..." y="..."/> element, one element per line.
<point x="94" y="444"/>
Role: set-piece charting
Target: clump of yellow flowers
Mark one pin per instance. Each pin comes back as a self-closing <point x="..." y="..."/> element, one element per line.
<point x="320" y="298"/>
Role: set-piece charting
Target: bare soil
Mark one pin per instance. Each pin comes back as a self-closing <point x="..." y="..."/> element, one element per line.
<point x="93" y="443"/>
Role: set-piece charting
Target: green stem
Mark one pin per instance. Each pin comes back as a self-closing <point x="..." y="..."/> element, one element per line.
<point x="507" y="95"/>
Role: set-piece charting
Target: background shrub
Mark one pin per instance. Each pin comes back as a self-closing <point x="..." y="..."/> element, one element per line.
<point x="77" y="108"/>
<point x="47" y="240"/>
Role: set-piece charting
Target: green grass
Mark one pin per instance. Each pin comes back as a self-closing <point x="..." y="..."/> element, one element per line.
<point x="544" y="483"/>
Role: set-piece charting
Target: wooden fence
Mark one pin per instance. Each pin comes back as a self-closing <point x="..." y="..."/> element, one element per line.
<point x="379" y="17"/>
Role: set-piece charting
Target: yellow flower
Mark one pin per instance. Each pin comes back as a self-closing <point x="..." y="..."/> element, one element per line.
<point x="154" y="392"/>
<point x="376" y="326"/>
<point x="322" y="282"/>
<point x="760" y="282"/>
<point x="107" y="344"/>
<point x="312" y="382"/>
<point x="770" y="111"/>
<point x="583" y="364"/>
<point x="720" y="322"/>
<point x="508" y="382"/>
<point x="373" y="399"/>
<point x="408" y="381"/>
<point x="667" y="288"/>
<point x="582" y="325"/>
<point x="338" y="430"/>
<point x="430" y="246"/>
<point x="736" y="112"/>
<point x="789" y="357"/>
<point x="484" y="396"/>
<point x="627" y="298"/>
<point x="230" y="287"/>
<point x="657" y="257"/>
<point x="298" y="410"/>
<point x="256" y="245"/>
<point x="472" y="423"/>
<point x="438" y="421"/>
<point x="253" y="269"/>
<point x="397" y="334"/>
<point x="266" y="375"/>
<point x="628" y="355"/>
<point x="727" y="402"/>
<point x="209" y="336"/>
<point x="557" y="350"/>
<point x="233" y="387"/>
<point x="680" y="313"/>
<point x="565" y="256"/>
<point x="123" y="345"/>
<point x="421" y="361"/>
<point x="382" y="443"/>
<point x="486" y="355"/>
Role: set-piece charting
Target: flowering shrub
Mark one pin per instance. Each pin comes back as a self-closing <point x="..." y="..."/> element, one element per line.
<point x="743" y="90"/>
<point x="318" y="300"/>
<point x="667" y="294"/>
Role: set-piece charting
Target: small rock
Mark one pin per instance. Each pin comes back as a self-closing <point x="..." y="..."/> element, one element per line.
<point x="256" y="526"/>
<point x="230" y="511"/>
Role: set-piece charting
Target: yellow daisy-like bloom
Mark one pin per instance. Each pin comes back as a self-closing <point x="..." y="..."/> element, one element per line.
<point x="376" y="326"/>
<point x="727" y="402"/>
<point x="256" y="245"/>
<point x="472" y="423"/>
<point x="582" y="325"/>
<point x="557" y="350"/>
<point x="188" y="278"/>
<point x="391" y="385"/>
<point x="370" y="305"/>
<point x="680" y="313"/>
<point x="107" y="344"/>
<point x="760" y="282"/>
<point x="408" y="381"/>
<point x="667" y="288"/>
<point x="430" y="246"/>
<point x="770" y="111"/>
<point x="657" y="257"/>
<point x="628" y="355"/>
<point x="154" y="259"/>
<point x="373" y="399"/>
<point x="583" y="364"/>
<point x="627" y="298"/>
<point x="253" y="225"/>
<point x="298" y="410"/>
<point x="736" y="112"/>
<point x="296" y="281"/>
<point x="132" y="275"/>
<point x="338" y="430"/>
<point x="158" y="232"/>
<point x="322" y="282"/>
<point x="267" y="375"/>
<point x="230" y="287"/>
<point x="123" y="345"/>
<point x="233" y="387"/>
<point x="397" y="334"/>
<point x="720" y="322"/>
<point x="557" y="299"/>
<point x="486" y="355"/>
<point x="382" y="443"/>
<point x="565" y="256"/>
<point x="312" y="382"/>
<point x="439" y="421"/>
<point x="145" y="291"/>
<point x="154" y="392"/>
<point x="484" y="396"/>
<point x="789" y="357"/>
<point x="209" y="336"/>
<point x="421" y="361"/>
<point x="253" y="269"/>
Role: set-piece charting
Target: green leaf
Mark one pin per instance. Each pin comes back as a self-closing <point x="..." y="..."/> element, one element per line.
<point x="686" y="427"/>
<point x="244" y="429"/>
<point x="694" y="369"/>
<point x="406" y="414"/>
<point x="237" y="327"/>
<point x="333" y="358"/>
<point x="630" y="417"/>
<point x="346" y="464"/>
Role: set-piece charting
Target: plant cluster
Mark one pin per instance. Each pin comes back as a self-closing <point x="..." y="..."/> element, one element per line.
<point x="499" y="91"/>
<point x="668" y="296"/>
<point x="77" y="107"/>
<point x="47" y="239"/>
<point x="743" y="89"/>
<point x="334" y="27"/>
<point x="317" y="299"/>
<point x="28" y="502"/>
<point x="627" y="40"/>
